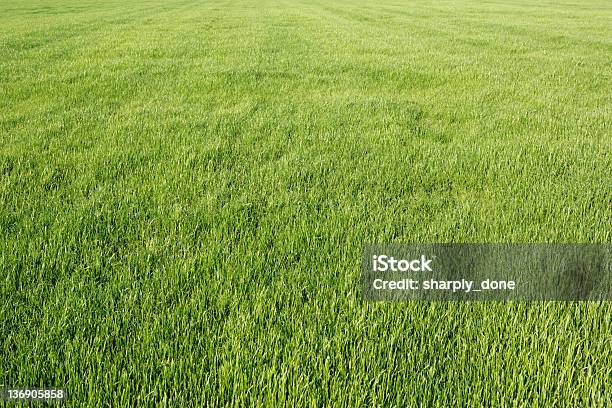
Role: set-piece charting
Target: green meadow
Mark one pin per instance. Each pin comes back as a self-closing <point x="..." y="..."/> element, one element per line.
<point x="186" y="187"/>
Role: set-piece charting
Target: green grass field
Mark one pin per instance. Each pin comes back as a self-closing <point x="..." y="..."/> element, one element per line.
<point x="186" y="186"/>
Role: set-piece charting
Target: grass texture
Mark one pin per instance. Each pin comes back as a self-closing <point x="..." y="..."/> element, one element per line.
<point x="186" y="186"/>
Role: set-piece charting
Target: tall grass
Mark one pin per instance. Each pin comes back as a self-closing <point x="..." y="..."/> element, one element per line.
<point x="185" y="188"/>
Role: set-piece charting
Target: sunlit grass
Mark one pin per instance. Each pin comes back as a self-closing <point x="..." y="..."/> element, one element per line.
<point x="185" y="188"/>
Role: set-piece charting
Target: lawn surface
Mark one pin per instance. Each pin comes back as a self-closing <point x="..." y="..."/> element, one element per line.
<point x="185" y="188"/>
